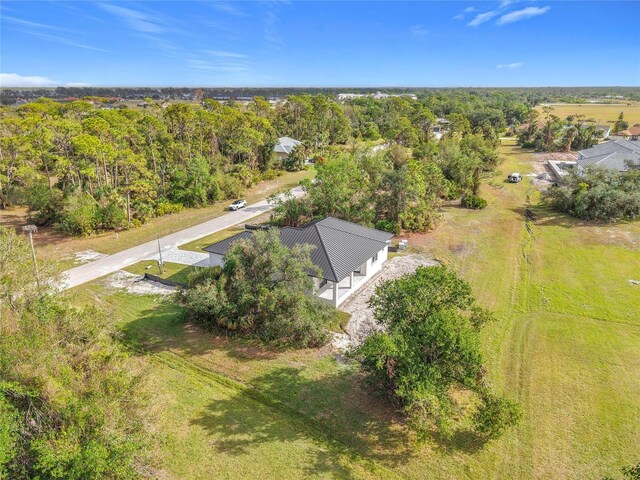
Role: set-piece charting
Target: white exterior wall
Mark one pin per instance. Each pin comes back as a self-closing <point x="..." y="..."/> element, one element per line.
<point x="335" y="294"/>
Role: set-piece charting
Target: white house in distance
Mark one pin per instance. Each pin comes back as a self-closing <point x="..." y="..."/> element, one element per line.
<point x="346" y="253"/>
<point x="285" y="146"/>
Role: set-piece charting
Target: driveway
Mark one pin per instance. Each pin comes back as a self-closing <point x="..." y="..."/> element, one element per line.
<point x="112" y="263"/>
<point x="362" y="323"/>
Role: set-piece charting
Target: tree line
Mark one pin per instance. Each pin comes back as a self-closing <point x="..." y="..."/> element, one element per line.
<point x="83" y="168"/>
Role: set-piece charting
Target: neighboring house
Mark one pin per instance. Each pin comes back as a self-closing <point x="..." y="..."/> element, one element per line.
<point x="285" y="146"/>
<point x="440" y="128"/>
<point x="613" y="154"/>
<point x="631" y="133"/>
<point x="346" y="253"/>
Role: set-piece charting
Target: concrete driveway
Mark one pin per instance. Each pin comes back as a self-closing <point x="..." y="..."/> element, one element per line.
<point x="112" y="263"/>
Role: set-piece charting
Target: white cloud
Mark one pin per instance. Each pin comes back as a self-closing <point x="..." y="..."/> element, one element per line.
<point x="135" y="19"/>
<point x="27" y="23"/>
<point x="15" y="80"/>
<point x="482" y="18"/>
<point x="229" y="8"/>
<point x="469" y="9"/>
<point x="523" y="14"/>
<point x="223" y="54"/>
<point x="510" y="66"/>
<point x="419" y="30"/>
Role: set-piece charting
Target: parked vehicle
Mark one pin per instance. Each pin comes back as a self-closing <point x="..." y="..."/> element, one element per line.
<point x="237" y="205"/>
<point x="515" y="177"/>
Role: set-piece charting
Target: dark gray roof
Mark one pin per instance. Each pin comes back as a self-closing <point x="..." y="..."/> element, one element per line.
<point x="613" y="154"/>
<point x="340" y="247"/>
<point x="222" y="246"/>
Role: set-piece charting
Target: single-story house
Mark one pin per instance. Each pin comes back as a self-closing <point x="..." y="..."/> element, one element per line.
<point x="614" y="154"/>
<point x="285" y="146"/>
<point x="631" y="133"/>
<point x="347" y="254"/>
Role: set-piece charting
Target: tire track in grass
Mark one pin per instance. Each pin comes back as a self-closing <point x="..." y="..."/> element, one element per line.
<point x="310" y="427"/>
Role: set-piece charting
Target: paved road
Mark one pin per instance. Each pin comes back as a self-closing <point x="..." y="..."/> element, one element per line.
<point x="90" y="271"/>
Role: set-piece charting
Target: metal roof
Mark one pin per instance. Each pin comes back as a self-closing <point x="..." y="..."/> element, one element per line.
<point x="613" y="154"/>
<point x="340" y="246"/>
<point x="286" y="145"/>
<point x="222" y="246"/>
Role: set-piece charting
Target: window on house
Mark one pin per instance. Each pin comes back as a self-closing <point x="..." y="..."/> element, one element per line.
<point x="375" y="258"/>
<point x="323" y="282"/>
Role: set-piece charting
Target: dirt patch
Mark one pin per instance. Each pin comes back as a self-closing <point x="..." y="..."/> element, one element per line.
<point x="134" y="284"/>
<point x="362" y="323"/>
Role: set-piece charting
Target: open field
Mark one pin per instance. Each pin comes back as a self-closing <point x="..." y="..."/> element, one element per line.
<point x="53" y="246"/>
<point x="566" y="344"/>
<point x="601" y="113"/>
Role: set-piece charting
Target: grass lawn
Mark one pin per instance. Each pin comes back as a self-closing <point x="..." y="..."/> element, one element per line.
<point x="566" y="344"/>
<point x="53" y="246"/>
<point x="172" y="271"/>
<point x="601" y="113"/>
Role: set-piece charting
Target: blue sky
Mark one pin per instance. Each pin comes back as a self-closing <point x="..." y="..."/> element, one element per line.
<point x="208" y="43"/>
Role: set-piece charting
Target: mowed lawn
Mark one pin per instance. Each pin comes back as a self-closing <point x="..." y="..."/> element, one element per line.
<point x="566" y="344"/>
<point x="603" y="114"/>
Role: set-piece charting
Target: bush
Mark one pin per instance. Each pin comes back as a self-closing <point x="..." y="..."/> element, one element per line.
<point x="70" y="405"/>
<point x="79" y="214"/>
<point x="599" y="195"/>
<point x="45" y="204"/>
<point x="472" y="201"/>
<point x="112" y="215"/>
<point x="165" y="207"/>
<point x="429" y="348"/>
<point x="495" y="415"/>
<point x="388" y="226"/>
<point x="262" y="290"/>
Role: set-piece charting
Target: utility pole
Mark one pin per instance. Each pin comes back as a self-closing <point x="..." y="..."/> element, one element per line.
<point x="160" y="261"/>
<point x="31" y="229"/>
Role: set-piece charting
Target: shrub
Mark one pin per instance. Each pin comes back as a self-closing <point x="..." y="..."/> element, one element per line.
<point x="165" y="207"/>
<point x="495" y="415"/>
<point x="45" y="205"/>
<point x="261" y="290"/>
<point x="472" y="201"/>
<point x="70" y="405"/>
<point x="430" y="347"/>
<point x="388" y="226"/>
<point x="79" y="214"/>
<point x="599" y="195"/>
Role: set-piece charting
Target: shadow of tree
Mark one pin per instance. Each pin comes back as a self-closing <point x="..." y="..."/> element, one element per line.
<point x="334" y="406"/>
<point x="332" y="409"/>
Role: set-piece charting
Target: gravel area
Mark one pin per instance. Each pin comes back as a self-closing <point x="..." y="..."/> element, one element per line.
<point x="362" y="324"/>
<point x="134" y="284"/>
<point x="184" y="257"/>
<point x="88" y="256"/>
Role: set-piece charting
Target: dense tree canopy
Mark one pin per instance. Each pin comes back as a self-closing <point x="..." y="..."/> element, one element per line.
<point x="70" y="406"/>
<point x="261" y="290"/>
<point x="600" y="195"/>
<point x="428" y="355"/>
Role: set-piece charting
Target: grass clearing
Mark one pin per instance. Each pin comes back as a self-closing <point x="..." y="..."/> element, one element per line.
<point x="176" y="272"/>
<point x="602" y="113"/>
<point x="566" y="344"/>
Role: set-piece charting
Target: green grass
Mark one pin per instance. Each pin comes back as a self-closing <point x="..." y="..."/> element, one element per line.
<point x="566" y="344"/>
<point x="172" y="271"/>
<point x="603" y="114"/>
